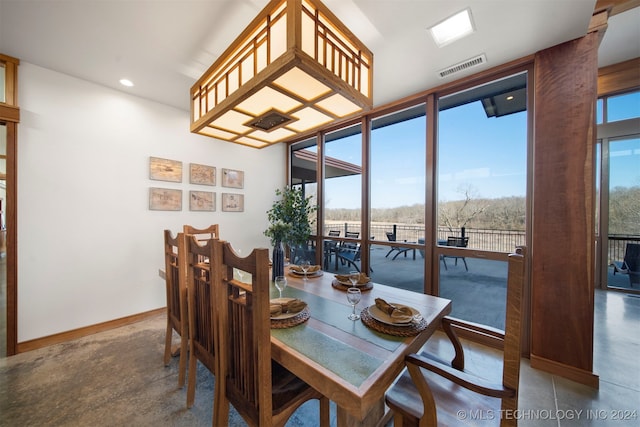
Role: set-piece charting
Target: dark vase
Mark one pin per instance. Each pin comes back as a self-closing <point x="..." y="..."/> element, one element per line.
<point x="277" y="269"/>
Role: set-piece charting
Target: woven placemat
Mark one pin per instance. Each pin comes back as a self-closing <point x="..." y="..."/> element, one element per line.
<point x="309" y="275"/>
<point x="399" y="331"/>
<point x="299" y="318"/>
<point x="367" y="287"/>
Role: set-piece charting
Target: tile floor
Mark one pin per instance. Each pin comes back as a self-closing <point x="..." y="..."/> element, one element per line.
<point x="117" y="378"/>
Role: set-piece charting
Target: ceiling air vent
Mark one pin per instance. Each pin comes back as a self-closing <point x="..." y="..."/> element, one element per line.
<point x="469" y="63"/>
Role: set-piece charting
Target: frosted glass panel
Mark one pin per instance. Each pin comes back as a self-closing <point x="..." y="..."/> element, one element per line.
<point x="2" y="83"/>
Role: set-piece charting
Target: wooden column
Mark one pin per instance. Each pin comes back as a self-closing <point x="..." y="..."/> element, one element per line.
<point x="562" y="259"/>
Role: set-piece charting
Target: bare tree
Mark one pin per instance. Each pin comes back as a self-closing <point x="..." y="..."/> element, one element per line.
<point x="457" y="214"/>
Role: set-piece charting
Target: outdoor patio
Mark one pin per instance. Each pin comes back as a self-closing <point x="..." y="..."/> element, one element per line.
<point x="478" y="294"/>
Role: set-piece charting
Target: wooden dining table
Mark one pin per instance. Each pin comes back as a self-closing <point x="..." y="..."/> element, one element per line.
<point x="347" y="361"/>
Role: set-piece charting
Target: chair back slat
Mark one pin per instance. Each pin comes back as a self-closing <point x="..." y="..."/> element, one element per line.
<point x="202" y="309"/>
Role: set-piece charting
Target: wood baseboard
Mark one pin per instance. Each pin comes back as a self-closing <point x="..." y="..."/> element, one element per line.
<point x="569" y="372"/>
<point x="85" y="331"/>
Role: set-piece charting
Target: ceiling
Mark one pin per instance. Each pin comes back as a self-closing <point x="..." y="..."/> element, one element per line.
<point x="164" y="46"/>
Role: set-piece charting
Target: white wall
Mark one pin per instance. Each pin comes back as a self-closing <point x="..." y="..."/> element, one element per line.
<point x="89" y="249"/>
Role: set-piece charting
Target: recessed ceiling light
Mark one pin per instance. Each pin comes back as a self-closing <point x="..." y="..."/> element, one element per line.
<point x="453" y="28"/>
<point x="126" y="82"/>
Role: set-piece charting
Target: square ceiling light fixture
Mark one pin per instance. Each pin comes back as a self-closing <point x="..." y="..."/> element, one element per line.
<point x="294" y="69"/>
<point x="453" y="28"/>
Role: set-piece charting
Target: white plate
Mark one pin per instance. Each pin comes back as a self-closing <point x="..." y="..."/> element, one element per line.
<point x="309" y="274"/>
<point x="348" y="283"/>
<point x="383" y="317"/>
<point x="284" y="315"/>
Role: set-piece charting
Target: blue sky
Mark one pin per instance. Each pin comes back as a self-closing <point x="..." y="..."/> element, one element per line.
<point x="485" y="156"/>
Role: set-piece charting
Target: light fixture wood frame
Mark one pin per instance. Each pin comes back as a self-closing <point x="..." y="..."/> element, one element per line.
<point x="295" y="58"/>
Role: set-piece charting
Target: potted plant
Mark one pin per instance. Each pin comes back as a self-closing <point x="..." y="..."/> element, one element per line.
<point x="290" y="225"/>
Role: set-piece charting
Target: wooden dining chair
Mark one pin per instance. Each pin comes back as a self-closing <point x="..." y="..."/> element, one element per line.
<point x="263" y="392"/>
<point x="210" y="232"/>
<point x="176" y="287"/>
<point x="433" y="393"/>
<point x="201" y="308"/>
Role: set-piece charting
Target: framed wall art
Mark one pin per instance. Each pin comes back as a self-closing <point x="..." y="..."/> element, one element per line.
<point x="202" y="174"/>
<point x="165" y="199"/>
<point x="165" y="169"/>
<point x="232" y="202"/>
<point x="232" y="178"/>
<point x="202" y="201"/>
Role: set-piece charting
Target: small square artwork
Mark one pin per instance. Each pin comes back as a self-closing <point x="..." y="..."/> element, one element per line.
<point x="202" y="201"/>
<point x="232" y="178"/>
<point x="202" y="174"/>
<point x="165" y="199"/>
<point x="165" y="169"/>
<point x="232" y="202"/>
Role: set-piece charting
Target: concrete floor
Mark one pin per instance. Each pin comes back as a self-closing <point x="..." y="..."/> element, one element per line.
<point x="117" y="378"/>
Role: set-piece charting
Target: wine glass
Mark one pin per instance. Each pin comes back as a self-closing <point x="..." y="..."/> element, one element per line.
<point x="305" y="264"/>
<point x="354" y="277"/>
<point x="353" y="296"/>
<point x="281" y="284"/>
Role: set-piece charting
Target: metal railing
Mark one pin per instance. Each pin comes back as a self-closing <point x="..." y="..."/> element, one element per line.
<point x="481" y="239"/>
<point x="618" y="246"/>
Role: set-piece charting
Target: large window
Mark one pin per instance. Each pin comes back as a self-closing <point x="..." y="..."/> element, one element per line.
<point x="618" y="189"/>
<point x="393" y="199"/>
<point x="398" y="171"/>
<point x="481" y="187"/>
<point x="343" y="182"/>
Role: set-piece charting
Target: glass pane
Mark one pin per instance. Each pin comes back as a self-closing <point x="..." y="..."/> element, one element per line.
<point x="304" y="166"/>
<point x="343" y="181"/>
<point x="2" y="83"/>
<point x="398" y="266"/>
<point x="398" y="159"/>
<point x="623" y="107"/>
<point x="479" y="295"/>
<point x="3" y="251"/>
<point x="599" y="111"/>
<point x="624" y="212"/>
<point x="481" y="187"/>
<point x="482" y="165"/>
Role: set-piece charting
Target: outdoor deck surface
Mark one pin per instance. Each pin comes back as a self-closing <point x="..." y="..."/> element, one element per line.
<point x="478" y="295"/>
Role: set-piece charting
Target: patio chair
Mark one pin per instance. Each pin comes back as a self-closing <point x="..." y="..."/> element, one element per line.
<point x="392" y="238"/>
<point x="349" y="254"/>
<point x="631" y="263"/>
<point x="176" y="287"/>
<point x="432" y="392"/>
<point x="262" y="391"/>
<point x="459" y="242"/>
<point x="329" y="248"/>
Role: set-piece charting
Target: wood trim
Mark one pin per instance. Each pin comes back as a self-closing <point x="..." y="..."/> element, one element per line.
<point x="12" y="238"/>
<point x="620" y="77"/>
<point x="87" y="330"/>
<point x="566" y="371"/>
<point x="9" y="113"/>
<point x="616" y="6"/>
